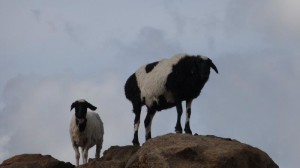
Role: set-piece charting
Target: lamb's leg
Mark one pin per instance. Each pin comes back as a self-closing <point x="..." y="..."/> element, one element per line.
<point x="178" y="128"/>
<point x="85" y="155"/>
<point x="137" y="112"/>
<point x="77" y="154"/>
<point x="98" y="150"/>
<point x="187" y="128"/>
<point x="148" y="122"/>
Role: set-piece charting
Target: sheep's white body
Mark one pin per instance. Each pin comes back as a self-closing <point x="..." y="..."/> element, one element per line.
<point x="153" y="84"/>
<point x="92" y="135"/>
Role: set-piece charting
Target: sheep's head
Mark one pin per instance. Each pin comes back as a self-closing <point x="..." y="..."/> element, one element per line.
<point x="81" y="107"/>
<point x="204" y="64"/>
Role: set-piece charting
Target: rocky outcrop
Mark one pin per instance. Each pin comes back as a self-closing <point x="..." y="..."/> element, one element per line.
<point x="34" y="161"/>
<point x="184" y="150"/>
<point x="114" y="157"/>
<point x="168" y="151"/>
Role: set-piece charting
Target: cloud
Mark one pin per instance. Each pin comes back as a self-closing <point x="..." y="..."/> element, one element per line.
<point x="262" y="22"/>
<point x="4" y="143"/>
<point x="151" y="44"/>
<point x="37" y="14"/>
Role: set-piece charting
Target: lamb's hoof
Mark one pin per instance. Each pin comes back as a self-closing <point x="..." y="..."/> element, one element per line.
<point x="135" y="143"/>
<point x="148" y="136"/>
<point x="178" y="129"/>
<point x="188" y="131"/>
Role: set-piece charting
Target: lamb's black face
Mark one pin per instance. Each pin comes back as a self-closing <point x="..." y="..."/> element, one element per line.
<point x="81" y="123"/>
<point x="80" y="112"/>
<point x="81" y="108"/>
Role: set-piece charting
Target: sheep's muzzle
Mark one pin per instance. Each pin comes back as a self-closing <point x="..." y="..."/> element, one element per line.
<point x="81" y="123"/>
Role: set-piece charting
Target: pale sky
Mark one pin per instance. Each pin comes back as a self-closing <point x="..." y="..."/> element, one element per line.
<point x="55" y="52"/>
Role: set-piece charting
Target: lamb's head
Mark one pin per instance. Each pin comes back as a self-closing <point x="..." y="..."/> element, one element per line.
<point x="203" y="65"/>
<point x="81" y="107"/>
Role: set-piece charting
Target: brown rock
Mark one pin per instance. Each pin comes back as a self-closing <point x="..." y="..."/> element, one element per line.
<point x="184" y="150"/>
<point x="34" y="161"/>
<point x="168" y="151"/>
<point x="114" y="157"/>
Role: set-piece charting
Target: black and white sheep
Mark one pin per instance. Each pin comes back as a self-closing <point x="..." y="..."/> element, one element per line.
<point x="165" y="84"/>
<point x="86" y="130"/>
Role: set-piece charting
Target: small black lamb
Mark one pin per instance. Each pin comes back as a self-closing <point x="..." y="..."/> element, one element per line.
<point x="165" y="84"/>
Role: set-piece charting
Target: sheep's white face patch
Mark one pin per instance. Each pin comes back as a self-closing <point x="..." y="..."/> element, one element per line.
<point x="152" y="84"/>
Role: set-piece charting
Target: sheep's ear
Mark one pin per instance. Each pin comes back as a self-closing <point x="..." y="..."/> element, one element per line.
<point x="73" y="105"/>
<point x="90" y="106"/>
<point x="212" y="65"/>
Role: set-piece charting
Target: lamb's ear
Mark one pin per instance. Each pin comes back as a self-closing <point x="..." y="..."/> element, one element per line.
<point x="212" y="65"/>
<point x="73" y="105"/>
<point x="90" y="106"/>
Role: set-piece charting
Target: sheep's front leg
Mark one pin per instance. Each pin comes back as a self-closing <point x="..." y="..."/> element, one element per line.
<point x="77" y="154"/>
<point x="178" y="128"/>
<point x="137" y="112"/>
<point x="148" y="122"/>
<point x="187" y="128"/>
<point x="85" y="155"/>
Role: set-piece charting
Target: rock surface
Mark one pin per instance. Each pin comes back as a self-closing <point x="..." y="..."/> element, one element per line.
<point x="183" y="150"/>
<point x="114" y="157"/>
<point x="34" y="161"/>
<point x="168" y="151"/>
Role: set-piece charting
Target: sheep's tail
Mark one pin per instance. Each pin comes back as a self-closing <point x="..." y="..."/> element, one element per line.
<point x="212" y="65"/>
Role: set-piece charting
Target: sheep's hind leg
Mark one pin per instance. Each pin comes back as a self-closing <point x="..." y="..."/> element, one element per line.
<point x="137" y="112"/>
<point x="178" y="128"/>
<point x="98" y="150"/>
<point x="148" y="122"/>
<point x="187" y="128"/>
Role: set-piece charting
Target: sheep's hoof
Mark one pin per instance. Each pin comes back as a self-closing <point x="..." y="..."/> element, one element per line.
<point x="178" y="129"/>
<point x="148" y="136"/>
<point x="188" y="131"/>
<point x="135" y="143"/>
